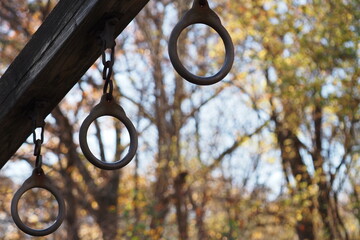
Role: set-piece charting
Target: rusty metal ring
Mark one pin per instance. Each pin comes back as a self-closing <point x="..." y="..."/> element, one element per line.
<point x="107" y="107"/>
<point x="38" y="180"/>
<point x="201" y="13"/>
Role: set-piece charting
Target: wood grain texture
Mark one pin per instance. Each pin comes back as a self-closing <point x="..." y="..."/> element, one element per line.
<point x="53" y="61"/>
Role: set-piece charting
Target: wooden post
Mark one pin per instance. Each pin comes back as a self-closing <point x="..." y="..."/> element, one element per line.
<point x="53" y="61"/>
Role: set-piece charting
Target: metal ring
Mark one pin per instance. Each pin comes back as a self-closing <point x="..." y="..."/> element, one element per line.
<point x="107" y="107"/>
<point x="201" y="14"/>
<point x="38" y="180"/>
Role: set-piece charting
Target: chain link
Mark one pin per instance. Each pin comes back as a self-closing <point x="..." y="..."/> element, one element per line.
<point x="108" y="45"/>
<point x="41" y="134"/>
<point x="37" y="144"/>
<point x="108" y="70"/>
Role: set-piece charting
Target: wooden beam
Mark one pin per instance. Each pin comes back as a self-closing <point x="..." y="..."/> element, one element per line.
<point x="53" y="61"/>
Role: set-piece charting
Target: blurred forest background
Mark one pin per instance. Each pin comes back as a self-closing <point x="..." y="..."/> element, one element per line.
<point x="271" y="152"/>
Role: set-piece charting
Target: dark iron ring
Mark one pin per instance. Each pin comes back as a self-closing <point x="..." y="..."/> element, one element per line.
<point x="201" y="14"/>
<point x="107" y="107"/>
<point x="38" y="180"/>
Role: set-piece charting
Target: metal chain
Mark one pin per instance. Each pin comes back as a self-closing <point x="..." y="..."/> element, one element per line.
<point x="37" y="143"/>
<point x="108" y="42"/>
<point x="108" y="70"/>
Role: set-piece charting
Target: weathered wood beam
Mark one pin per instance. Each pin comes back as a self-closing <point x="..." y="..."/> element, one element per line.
<point x="53" y="61"/>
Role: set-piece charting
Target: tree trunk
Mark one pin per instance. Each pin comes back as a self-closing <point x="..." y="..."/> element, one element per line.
<point x="72" y="225"/>
<point x="290" y="154"/>
<point x="201" y="230"/>
<point x="324" y="189"/>
<point x="66" y="138"/>
<point x="181" y="205"/>
<point x="107" y="215"/>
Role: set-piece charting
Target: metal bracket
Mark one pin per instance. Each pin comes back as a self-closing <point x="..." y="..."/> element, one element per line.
<point x="107" y="35"/>
<point x="37" y="117"/>
<point x="38" y="114"/>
